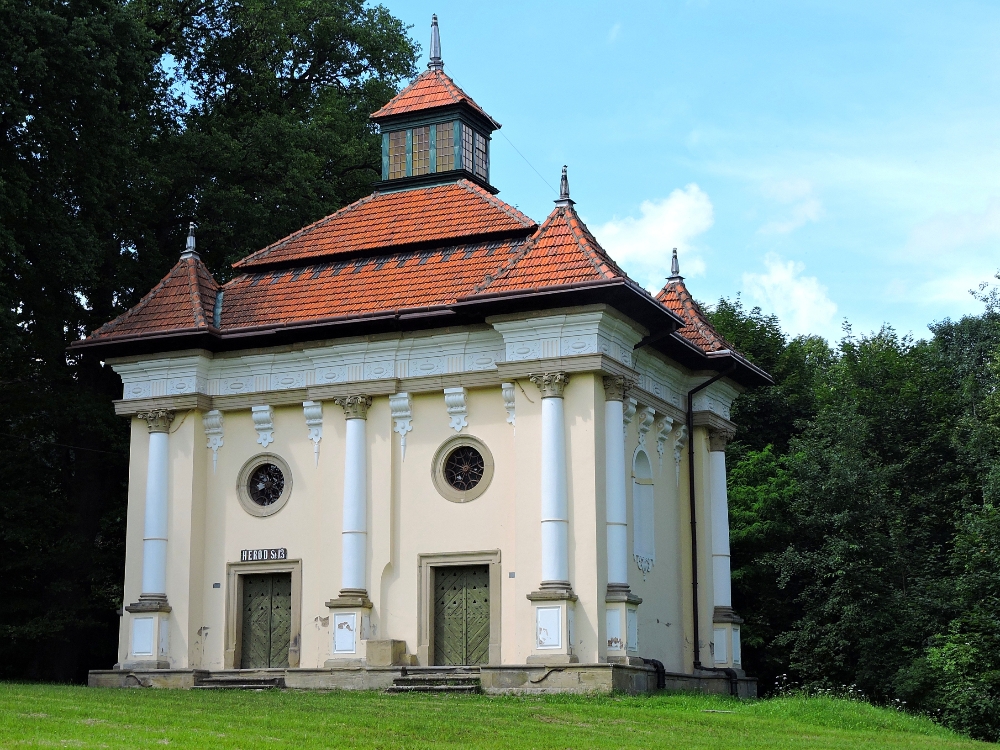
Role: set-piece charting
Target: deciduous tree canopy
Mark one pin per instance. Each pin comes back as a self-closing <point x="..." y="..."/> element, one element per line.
<point x="122" y="122"/>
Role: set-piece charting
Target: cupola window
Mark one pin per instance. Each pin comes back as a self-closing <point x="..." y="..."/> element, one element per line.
<point x="467" y="159"/>
<point x="481" y="166"/>
<point x="445" y="146"/>
<point x="421" y="150"/>
<point x="397" y="154"/>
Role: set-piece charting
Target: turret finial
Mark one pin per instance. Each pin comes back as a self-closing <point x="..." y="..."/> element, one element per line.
<point x="675" y="267"/>
<point x="436" y="63"/>
<point x="189" y="248"/>
<point x="564" y="199"/>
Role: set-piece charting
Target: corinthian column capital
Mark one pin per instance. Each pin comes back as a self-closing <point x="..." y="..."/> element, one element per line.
<point x="616" y="386"/>
<point x="157" y="420"/>
<point x="355" y="407"/>
<point x="719" y="438"/>
<point x="551" y="384"/>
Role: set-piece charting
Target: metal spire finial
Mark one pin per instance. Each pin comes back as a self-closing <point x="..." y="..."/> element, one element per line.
<point x="675" y="267"/>
<point x="564" y="199"/>
<point x="436" y="63"/>
<point x="189" y="248"/>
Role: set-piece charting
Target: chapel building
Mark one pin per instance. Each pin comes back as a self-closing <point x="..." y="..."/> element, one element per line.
<point x="426" y="434"/>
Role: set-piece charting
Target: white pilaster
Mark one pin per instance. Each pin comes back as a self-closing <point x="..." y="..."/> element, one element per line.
<point x="154" y="536"/>
<point x="721" y="581"/>
<point x="355" y="520"/>
<point x="555" y="498"/>
<point x="615" y="482"/>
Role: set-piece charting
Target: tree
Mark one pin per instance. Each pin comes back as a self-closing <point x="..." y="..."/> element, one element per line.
<point x="122" y="122"/>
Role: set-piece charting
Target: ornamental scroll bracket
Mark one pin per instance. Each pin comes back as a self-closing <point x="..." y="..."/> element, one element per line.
<point x="679" y="442"/>
<point x="663" y="427"/>
<point x="313" y="412"/>
<point x="401" y="407"/>
<point x="629" y="406"/>
<point x="214" y="433"/>
<point x="263" y="422"/>
<point x="646" y="416"/>
<point x="507" y="389"/>
<point x="454" y="402"/>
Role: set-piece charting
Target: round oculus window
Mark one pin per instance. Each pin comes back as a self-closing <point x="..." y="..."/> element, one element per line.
<point x="266" y="484"/>
<point x="464" y="467"/>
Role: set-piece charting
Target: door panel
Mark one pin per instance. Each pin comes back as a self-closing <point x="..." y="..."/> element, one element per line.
<point x="461" y="615"/>
<point x="267" y="619"/>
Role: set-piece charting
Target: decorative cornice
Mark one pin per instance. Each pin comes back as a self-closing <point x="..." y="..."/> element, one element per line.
<point x="313" y="412"/>
<point x="616" y="386"/>
<point x="355" y="407"/>
<point x="507" y="389"/>
<point x="458" y="410"/>
<point x="214" y="432"/>
<point x="551" y="384"/>
<point x="400" y="406"/>
<point x="157" y="420"/>
<point x="263" y="422"/>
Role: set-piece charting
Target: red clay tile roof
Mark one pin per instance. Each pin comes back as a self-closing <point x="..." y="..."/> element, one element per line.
<point x="440" y="213"/>
<point x="385" y="283"/>
<point x="184" y="300"/>
<point x="562" y="251"/>
<point x="676" y="298"/>
<point x="431" y="89"/>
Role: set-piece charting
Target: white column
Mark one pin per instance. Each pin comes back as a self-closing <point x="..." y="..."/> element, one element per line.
<point x="615" y="482"/>
<point x="355" y="525"/>
<point x="721" y="578"/>
<point x="555" y="500"/>
<point x="154" y="536"/>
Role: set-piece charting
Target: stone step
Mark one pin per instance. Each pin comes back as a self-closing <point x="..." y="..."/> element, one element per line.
<point x="240" y="682"/>
<point x="454" y="689"/>
<point x="437" y="679"/>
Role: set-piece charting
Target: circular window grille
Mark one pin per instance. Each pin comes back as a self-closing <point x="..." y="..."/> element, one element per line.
<point x="264" y="485"/>
<point x="463" y="469"/>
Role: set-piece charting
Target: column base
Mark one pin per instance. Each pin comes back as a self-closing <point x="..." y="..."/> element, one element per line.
<point x="726" y="638"/>
<point x="350" y="626"/>
<point x="554" y="632"/>
<point x="149" y="603"/>
<point x="620" y="592"/>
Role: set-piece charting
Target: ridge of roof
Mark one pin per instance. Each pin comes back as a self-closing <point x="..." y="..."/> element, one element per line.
<point x="431" y="89"/>
<point x="697" y="330"/>
<point x="183" y="300"/>
<point x="384" y="220"/>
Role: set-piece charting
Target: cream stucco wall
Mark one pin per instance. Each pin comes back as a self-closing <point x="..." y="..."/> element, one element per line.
<point x="407" y="518"/>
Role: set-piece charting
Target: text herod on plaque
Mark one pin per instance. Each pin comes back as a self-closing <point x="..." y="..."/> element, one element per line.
<point x="261" y="555"/>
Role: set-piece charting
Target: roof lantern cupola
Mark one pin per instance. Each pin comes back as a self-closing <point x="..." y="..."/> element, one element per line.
<point x="433" y="132"/>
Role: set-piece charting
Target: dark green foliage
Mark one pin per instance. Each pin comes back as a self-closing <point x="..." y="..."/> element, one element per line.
<point x="864" y="535"/>
<point x="122" y="122"/>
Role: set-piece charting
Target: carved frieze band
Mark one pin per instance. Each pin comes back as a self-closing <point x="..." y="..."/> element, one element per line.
<point x="355" y="407"/>
<point x="551" y="384"/>
<point x="157" y="420"/>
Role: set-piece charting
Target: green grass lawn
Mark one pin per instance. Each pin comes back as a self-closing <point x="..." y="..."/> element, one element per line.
<point x="65" y="716"/>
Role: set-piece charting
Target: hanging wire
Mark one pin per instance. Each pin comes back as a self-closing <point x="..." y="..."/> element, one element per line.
<point x="455" y="79"/>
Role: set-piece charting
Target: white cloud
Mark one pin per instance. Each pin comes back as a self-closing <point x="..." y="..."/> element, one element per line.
<point x="643" y="245"/>
<point x="804" y="206"/>
<point x="614" y="32"/>
<point x="800" y="302"/>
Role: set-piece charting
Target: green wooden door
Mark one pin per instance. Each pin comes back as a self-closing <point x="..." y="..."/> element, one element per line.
<point x="267" y="620"/>
<point x="462" y="615"/>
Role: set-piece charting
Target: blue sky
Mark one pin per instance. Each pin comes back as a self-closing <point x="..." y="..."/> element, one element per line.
<point x="827" y="160"/>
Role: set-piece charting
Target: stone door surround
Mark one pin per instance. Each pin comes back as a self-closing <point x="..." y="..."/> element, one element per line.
<point x="235" y="572"/>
